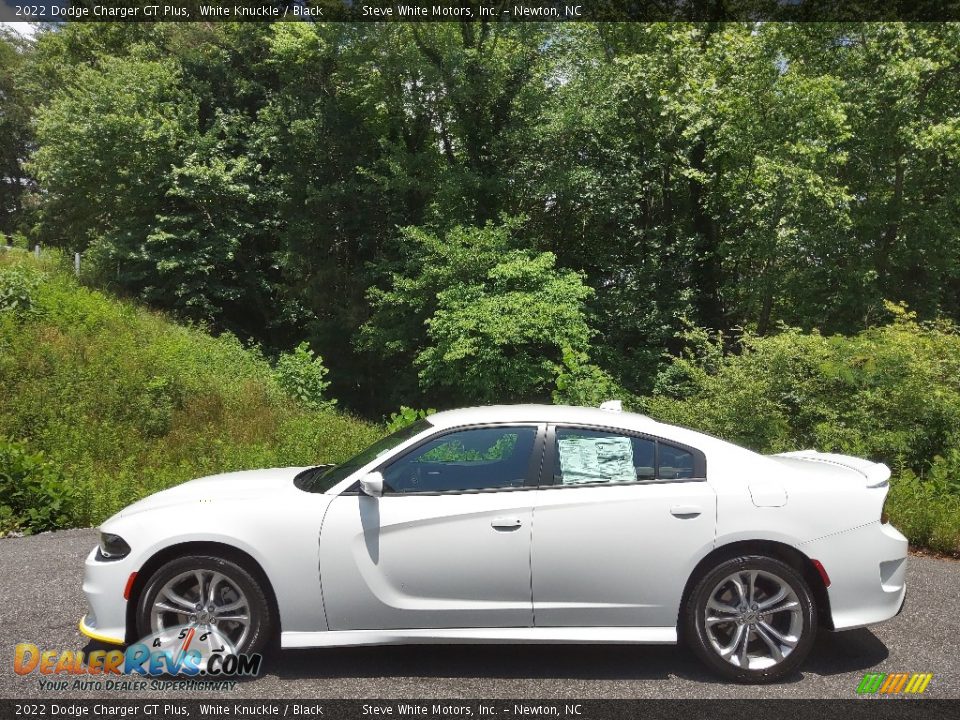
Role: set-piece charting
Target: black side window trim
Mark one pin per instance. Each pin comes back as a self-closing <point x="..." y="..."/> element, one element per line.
<point x="535" y="467"/>
<point x="551" y="462"/>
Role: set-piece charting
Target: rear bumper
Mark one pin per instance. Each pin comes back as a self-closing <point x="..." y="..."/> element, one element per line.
<point x="103" y="584"/>
<point x="902" y="603"/>
<point x="867" y="568"/>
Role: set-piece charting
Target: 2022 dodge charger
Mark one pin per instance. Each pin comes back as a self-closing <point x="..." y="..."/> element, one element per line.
<point x="515" y="524"/>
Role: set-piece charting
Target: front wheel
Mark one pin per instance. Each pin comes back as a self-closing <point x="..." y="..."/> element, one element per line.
<point x="752" y="619"/>
<point x="207" y="592"/>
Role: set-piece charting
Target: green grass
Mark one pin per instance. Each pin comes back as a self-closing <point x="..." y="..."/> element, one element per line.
<point x="122" y="402"/>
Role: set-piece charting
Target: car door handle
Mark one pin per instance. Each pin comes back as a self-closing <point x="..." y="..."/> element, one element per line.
<point x="685" y="511"/>
<point x="505" y="523"/>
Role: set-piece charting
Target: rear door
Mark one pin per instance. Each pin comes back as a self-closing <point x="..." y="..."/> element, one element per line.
<point x="448" y="543"/>
<point x="616" y="529"/>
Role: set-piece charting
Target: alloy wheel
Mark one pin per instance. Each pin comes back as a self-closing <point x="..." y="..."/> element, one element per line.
<point x="203" y="598"/>
<point x="753" y="619"/>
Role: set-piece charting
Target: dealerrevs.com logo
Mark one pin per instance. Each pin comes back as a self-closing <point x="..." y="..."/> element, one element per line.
<point x="187" y="652"/>
<point x="894" y="683"/>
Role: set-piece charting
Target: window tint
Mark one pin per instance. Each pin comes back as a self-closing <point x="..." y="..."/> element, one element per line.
<point x="465" y="460"/>
<point x="675" y="463"/>
<point x="590" y="456"/>
<point x="597" y="456"/>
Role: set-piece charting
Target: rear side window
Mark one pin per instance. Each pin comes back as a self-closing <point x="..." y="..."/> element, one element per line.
<point x="675" y="463"/>
<point x="585" y="456"/>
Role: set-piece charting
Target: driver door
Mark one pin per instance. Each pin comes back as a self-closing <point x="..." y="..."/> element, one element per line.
<point x="448" y="543"/>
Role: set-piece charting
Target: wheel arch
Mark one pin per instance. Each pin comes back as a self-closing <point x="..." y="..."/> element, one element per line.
<point x="201" y="547"/>
<point x="770" y="548"/>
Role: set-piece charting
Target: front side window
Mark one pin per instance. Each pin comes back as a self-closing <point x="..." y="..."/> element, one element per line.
<point x="597" y="456"/>
<point x="476" y="459"/>
<point x="321" y="478"/>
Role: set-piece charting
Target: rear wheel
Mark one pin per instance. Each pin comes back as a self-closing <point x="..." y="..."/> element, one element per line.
<point x="752" y="619"/>
<point x="207" y="592"/>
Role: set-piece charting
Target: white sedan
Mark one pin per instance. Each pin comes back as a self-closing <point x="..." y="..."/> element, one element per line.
<point x="515" y="524"/>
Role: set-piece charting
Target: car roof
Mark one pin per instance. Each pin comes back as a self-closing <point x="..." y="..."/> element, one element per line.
<point x="579" y="416"/>
<point x="542" y="413"/>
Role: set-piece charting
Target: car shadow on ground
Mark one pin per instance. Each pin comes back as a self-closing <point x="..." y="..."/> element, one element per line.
<point x="836" y="653"/>
<point x="833" y="654"/>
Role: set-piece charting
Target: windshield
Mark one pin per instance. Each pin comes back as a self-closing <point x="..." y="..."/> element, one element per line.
<point x="323" y="477"/>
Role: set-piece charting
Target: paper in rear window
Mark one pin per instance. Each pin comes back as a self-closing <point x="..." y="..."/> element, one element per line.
<point x="592" y="459"/>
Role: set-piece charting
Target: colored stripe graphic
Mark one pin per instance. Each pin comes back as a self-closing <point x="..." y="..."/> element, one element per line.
<point x="871" y="683"/>
<point x="894" y="683"/>
<point x="918" y="682"/>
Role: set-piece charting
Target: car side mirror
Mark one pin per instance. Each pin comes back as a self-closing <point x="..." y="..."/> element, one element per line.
<point x="372" y="484"/>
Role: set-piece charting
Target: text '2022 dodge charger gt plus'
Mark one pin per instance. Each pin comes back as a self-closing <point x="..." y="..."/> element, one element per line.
<point x="515" y="524"/>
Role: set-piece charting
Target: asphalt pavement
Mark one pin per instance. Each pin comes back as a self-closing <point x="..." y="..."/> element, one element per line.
<point x="41" y="601"/>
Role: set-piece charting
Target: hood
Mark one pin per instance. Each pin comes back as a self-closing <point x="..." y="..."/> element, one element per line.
<point x="245" y="485"/>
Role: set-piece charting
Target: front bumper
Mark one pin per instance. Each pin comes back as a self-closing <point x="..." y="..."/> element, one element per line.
<point x="867" y="568"/>
<point x="88" y="627"/>
<point x="103" y="584"/>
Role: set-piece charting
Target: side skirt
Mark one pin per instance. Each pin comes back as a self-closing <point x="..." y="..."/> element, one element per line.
<point x="456" y="636"/>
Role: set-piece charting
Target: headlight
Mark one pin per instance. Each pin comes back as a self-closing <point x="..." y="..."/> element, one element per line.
<point x="113" y="547"/>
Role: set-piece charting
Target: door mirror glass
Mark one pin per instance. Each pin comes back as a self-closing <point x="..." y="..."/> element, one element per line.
<point x="372" y="484"/>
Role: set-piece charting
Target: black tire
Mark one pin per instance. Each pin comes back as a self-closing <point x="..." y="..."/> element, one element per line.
<point x="786" y="622"/>
<point x="261" y="617"/>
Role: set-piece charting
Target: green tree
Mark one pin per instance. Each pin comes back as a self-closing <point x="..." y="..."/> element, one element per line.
<point x="501" y="337"/>
<point x="454" y="105"/>
<point x="107" y="143"/>
<point x="691" y="171"/>
<point x="15" y="130"/>
<point x="480" y="318"/>
<point x="160" y="180"/>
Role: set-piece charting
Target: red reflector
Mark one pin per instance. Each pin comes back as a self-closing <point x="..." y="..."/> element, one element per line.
<point x="133" y="576"/>
<point x="823" y="572"/>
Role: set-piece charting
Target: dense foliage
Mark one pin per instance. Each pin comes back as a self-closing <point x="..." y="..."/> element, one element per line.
<point x="497" y="318"/>
<point x="15" y="130"/>
<point x="106" y="402"/>
<point x="290" y="181"/>
<point x="34" y="495"/>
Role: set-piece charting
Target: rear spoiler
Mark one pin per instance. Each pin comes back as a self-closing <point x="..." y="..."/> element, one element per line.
<point x="877" y="474"/>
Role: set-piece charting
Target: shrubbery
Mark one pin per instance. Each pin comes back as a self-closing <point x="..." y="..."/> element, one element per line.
<point x="18" y="288"/>
<point x="300" y="373"/>
<point x="34" y="495"/>
<point x="109" y="402"/>
<point x="580" y="382"/>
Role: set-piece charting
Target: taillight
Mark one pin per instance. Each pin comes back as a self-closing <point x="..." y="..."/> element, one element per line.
<point x="884" y="518"/>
